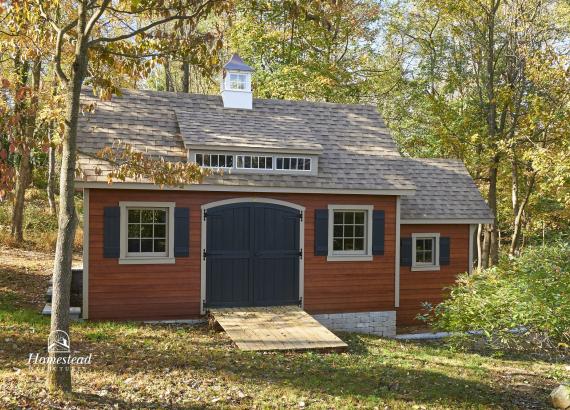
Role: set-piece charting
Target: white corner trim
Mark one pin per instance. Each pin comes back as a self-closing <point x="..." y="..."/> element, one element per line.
<point x="85" y="303"/>
<point x="445" y="221"/>
<point x="240" y="188"/>
<point x="348" y="256"/>
<point x="397" y="257"/>
<point x="425" y="267"/>
<point x="148" y="260"/>
<point x="472" y="230"/>
<point x="203" y="238"/>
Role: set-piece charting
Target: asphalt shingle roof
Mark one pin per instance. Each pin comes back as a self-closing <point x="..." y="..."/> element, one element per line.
<point x="355" y="149"/>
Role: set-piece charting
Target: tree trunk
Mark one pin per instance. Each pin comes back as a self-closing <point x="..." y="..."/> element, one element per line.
<point x="51" y="180"/>
<point x="479" y="247"/>
<point x="24" y="168"/>
<point x="22" y="181"/>
<point x="185" y="76"/>
<point x="517" y="224"/>
<point x="59" y="376"/>
<point x="167" y="76"/>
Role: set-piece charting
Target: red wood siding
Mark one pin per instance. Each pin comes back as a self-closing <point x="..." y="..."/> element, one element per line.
<point x="428" y="286"/>
<point x="172" y="291"/>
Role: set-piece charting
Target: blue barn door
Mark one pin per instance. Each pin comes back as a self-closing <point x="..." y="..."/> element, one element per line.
<point x="252" y="255"/>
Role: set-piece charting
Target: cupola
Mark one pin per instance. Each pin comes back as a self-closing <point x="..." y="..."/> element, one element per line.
<point x="236" y="84"/>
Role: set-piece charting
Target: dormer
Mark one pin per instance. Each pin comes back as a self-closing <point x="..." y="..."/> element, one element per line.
<point x="236" y="84"/>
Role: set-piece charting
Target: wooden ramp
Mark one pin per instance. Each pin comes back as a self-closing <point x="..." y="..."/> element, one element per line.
<point x="275" y="328"/>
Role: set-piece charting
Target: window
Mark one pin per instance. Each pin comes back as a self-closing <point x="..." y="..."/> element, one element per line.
<point x="293" y="163"/>
<point x="147" y="232"/>
<point x="254" y="162"/>
<point x="215" y="160"/>
<point x="425" y="251"/>
<point x="238" y="82"/>
<point x="350" y="229"/>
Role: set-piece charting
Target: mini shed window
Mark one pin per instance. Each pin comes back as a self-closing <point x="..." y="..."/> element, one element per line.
<point x="147" y="231"/>
<point x="425" y="251"/>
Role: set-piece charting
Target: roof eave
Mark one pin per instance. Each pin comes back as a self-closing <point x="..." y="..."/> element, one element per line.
<point x="445" y="221"/>
<point x="80" y="184"/>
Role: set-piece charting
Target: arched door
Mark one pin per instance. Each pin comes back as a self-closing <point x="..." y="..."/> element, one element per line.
<point x="252" y="255"/>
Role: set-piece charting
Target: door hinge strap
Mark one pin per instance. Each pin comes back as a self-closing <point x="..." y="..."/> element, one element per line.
<point x="301" y="253"/>
<point x="205" y="214"/>
<point x="204" y="254"/>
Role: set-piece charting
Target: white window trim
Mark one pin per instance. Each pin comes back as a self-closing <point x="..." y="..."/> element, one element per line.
<point x="125" y="259"/>
<point x="227" y="82"/>
<point x="273" y="170"/>
<point x="346" y="256"/>
<point x="420" y="267"/>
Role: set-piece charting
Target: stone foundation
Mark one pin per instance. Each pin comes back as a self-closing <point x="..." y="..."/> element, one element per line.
<point x="374" y="323"/>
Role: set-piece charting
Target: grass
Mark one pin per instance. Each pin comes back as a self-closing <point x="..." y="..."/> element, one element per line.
<point x="181" y="367"/>
<point x="40" y="227"/>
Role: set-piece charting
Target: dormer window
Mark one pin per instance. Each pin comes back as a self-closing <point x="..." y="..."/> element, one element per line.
<point x="238" y="82"/>
<point x="257" y="162"/>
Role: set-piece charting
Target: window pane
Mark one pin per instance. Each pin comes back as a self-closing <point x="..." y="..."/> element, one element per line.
<point x="134" y="231"/>
<point x="229" y="161"/>
<point x="134" y="215"/>
<point x="348" y="231"/>
<point x="293" y="163"/>
<point x="240" y="161"/>
<point x="428" y="256"/>
<point x="337" y="244"/>
<point x="359" y="244"/>
<point x="307" y="164"/>
<point x="420" y="256"/>
<point x="160" y="231"/>
<point x="279" y="163"/>
<point x="247" y="162"/>
<point x="159" y="216"/>
<point x="146" y="245"/>
<point x="269" y="163"/>
<point x="207" y="160"/>
<point x="349" y="244"/>
<point x="428" y="244"/>
<point x="146" y="231"/>
<point x="199" y="159"/>
<point x="337" y="231"/>
<point x="349" y="217"/>
<point x="338" y="217"/>
<point x="134" y="245"/>
<point x="160" y="245"/>
<point x="286" y="163"/>
<point x="359" y="231"/>
<point x="419" y="245"/>
<point x="255" y="162"/>
<point x="147" y="215"/>
<point x="359" y="217"/>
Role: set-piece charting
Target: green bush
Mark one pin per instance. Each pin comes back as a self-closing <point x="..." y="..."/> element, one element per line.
<point x="522" y="304"/>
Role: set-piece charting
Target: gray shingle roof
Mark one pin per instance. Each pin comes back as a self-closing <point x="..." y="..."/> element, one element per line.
<point x="444" y="190"/>
<point x="357" y="152"/>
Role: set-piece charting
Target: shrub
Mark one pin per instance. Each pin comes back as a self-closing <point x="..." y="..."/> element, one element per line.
<point x="522" y="304"/>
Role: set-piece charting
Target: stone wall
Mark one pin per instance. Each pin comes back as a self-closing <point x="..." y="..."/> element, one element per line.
<point x="381" y="323"/>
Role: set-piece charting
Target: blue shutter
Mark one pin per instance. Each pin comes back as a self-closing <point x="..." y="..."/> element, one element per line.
<point x="406" y="252"/>
<point x="444" y="246"/>
<point x="321" y="232"/>
<point x="111" y="232"/>
<point x="181" y="232"/>
<point x="378" y="233"/>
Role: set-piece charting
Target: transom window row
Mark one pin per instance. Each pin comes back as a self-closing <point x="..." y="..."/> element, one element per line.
<point x="262" y="162"/>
